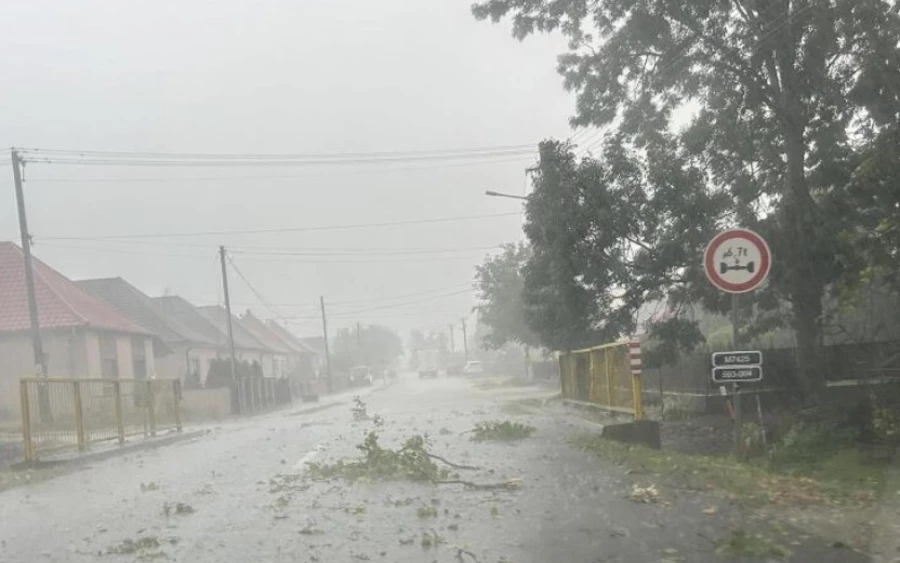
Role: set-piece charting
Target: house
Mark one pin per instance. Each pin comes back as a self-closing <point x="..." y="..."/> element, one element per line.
<point x="186" y="353"/>
<point x="82" y="335"/>
<point x="246" y="346"/>
<point x="282" y="357"/>
<point x="317" y="345"/>
<point x="306" y="366"/>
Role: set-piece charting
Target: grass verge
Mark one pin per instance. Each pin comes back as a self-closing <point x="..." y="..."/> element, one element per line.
<point x="835" y="482"/>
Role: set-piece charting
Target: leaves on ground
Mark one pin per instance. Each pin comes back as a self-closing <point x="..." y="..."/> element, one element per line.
<point x="411" y="461"/>
<point x="743" y="544"/>
<point x="178" y="509"/>
<point x="646" y="495"/>
<point x="501" y="430"/>
<point x="141" y="545"/>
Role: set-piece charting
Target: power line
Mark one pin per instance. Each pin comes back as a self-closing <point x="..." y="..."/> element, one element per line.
<point x="293" y="229"/>
<point x="271" y="156"/>
<point x="252" y="289"/>
<point x="112" y="158"/>
<point x="367" y="171"/>
<point x="356" y="301"/>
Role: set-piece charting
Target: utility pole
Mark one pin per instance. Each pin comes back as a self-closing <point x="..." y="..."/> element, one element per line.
<point x="37" y="345"/>
<point x="465" y="340"/>
<point x="325" y="334"/>
<point x="452" y="343"/>
<point x="228" y="313"/>
<point x="40" y="362"/>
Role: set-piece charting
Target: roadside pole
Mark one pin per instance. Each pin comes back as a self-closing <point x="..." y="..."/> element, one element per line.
<point x="40" y="359"/>
<point x="452" y="343"/>
<point x="228" y="317"/>
<point x="327" y="354"/>
<point x="736" y="387"/>
<point x="737" y="261"/>
<point x="465" y="340"/>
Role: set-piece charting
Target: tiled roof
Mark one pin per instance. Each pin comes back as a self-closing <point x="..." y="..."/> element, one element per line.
<point x="295" y="343"/>
<point x="188" y="315"/>
<point x="61" y="303"/>
<point x="143" y="310"/>
<point x="317" y="343"/>
<point x="243" y="339"/>
<point x="263" y="334"/>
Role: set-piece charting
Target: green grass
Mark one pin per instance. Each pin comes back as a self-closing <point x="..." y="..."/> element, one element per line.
<point x="497" y="430"/>
<point x="839" y="480"/>
<point x="743" y="544"/>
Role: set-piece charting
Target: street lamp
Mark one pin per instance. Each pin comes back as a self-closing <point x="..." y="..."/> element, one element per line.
<point x="498" y="194"/>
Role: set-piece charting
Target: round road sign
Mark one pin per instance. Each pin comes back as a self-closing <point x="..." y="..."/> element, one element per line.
<point x="737" y="261"/>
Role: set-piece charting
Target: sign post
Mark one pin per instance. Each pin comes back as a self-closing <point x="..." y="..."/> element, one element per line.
<point x="737" y="261"/>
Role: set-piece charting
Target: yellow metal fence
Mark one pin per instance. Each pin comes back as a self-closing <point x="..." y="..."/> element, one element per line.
<point x="602" y="376"/>
<point x="60" y="414"/>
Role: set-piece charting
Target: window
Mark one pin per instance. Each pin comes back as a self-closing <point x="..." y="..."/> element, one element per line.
<point x="139" y="357"/>
<point x="109" y="357"/>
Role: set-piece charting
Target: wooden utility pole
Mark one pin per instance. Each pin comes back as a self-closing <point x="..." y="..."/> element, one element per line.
<point x="40" y="361"/>
<point x="325" y="335"/>
<point x="228" y="313"/>
<point x="465" y="340"/>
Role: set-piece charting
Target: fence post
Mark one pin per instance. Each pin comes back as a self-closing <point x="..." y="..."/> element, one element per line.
<point x="176" y="398"/>
<point x="592" y="372"/>
<point x="151" y="408"/>
<point x="26" y="421"/>
<point x="638" y="397"/>
<point x="120" y="422"/>
<point x="609" y="396"/>
<point x="79" y="415"/>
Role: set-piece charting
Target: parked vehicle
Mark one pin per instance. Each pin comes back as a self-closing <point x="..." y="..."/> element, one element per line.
<point x="473" y="367"/>
<point x="361" y="375"/>
<point x="429" y="363"/>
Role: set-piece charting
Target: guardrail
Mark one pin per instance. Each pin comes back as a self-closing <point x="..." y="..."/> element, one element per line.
<point x="602" y="376"/>
<point x="60" y="414"/>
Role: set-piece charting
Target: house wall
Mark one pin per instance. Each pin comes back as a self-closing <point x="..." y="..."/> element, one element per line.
<point x="175" y="365"/>
<point x="70" y="353"/>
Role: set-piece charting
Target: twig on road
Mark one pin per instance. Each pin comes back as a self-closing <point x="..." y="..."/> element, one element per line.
<point x="450" y="463"/>
<point x="509" y="485"/>
<point x="460" y="552"/>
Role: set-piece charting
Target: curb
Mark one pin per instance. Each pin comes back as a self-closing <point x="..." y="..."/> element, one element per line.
<point x="106" y="454"/>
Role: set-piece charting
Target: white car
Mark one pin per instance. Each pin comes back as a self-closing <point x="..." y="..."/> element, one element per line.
<point x="473" y="368"/>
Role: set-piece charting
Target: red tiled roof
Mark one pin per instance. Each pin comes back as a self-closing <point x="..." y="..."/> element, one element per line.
<point x="61" y="303"/>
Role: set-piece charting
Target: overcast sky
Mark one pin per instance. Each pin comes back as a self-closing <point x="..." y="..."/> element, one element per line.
<point x="279" y="76"/>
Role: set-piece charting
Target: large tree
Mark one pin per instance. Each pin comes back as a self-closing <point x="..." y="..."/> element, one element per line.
<point x="372" y="345"/>
<point x="786" y="91"/>
<point x="500" y="282"/>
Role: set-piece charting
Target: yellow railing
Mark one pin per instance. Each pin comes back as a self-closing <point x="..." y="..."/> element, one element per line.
<point x="60" y="414"/>
<point x="602" y="376"/>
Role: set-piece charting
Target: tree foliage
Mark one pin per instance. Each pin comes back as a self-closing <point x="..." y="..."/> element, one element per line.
<point x="787" y="94"/>
<point x="372" y="345"/>
<point x="500" y="282"/>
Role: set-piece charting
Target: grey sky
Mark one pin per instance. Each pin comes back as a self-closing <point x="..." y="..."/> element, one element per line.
<point x="274" y="77"/>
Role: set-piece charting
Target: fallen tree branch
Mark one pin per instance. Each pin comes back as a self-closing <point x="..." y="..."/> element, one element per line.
<point x="450" y="463"/>
<point x="460" y="552"/>
<point x="510" y="485"/>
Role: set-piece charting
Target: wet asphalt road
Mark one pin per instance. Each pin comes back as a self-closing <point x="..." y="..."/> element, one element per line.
<point x="243" y="499"/>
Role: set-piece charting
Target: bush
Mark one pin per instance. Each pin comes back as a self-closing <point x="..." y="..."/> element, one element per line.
<point x="812" y="441"/>
<point x="678" y="407"/>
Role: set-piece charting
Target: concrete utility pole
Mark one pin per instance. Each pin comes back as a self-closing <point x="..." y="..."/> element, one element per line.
<point x="327" y="354"/>
<point x="40" y="361"/>
<point x="452" y="343"/>
<point x="228" y="313"/>
<point x="465" y="340"/>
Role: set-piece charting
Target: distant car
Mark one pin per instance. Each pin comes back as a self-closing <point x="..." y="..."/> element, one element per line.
<point x="361" y="375"/>
<point x="473" y="368"/>
<point x="455" y="369"/>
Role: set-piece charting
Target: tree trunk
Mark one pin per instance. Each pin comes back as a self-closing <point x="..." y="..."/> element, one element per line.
<point x="802" y="272"/>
